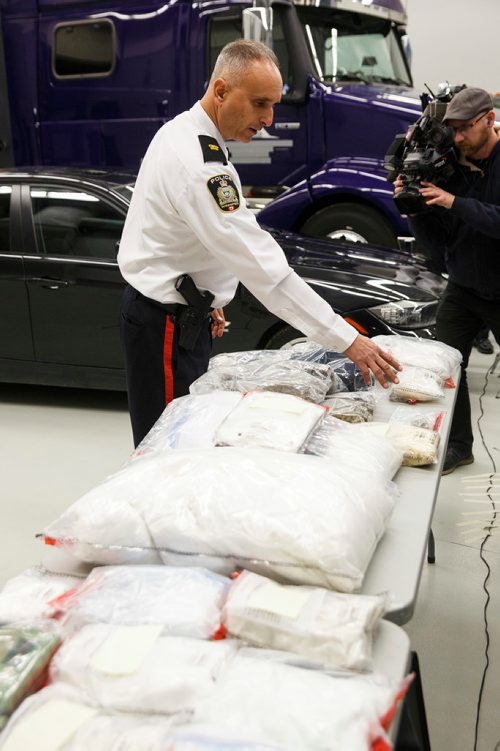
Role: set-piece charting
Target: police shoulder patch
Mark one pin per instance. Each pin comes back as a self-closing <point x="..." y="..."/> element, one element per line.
<point x="212" y="150"/>
<point x="224" y="192"/>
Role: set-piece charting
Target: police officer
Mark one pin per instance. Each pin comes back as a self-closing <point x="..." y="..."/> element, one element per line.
<point x="187" y="216"/>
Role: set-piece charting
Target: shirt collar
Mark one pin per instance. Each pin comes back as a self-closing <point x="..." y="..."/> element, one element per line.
<point x="206" y="124"/>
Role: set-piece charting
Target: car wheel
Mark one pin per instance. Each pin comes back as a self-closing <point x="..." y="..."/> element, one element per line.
<point x="285" y="338"/>
<point x="349" y="222"/>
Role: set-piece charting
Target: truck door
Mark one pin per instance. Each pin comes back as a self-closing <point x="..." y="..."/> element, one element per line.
<point x="106" y="83"/>
<point x="279" y="154"/>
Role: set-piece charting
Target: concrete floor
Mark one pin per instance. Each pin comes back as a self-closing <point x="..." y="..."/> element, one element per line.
<point x="58" y="443"/>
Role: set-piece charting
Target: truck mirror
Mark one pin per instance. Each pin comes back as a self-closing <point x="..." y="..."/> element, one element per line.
<point x="258" y="24"/>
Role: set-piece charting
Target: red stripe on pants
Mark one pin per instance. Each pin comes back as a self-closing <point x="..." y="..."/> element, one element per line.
<point x="167" y="360"/>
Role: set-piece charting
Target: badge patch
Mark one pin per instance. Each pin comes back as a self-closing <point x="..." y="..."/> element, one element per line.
<point x="224" y="192"/>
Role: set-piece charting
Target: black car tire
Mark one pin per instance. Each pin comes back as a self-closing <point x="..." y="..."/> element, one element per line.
<point x="282" y="337"/>
<point x="363" y="221"/>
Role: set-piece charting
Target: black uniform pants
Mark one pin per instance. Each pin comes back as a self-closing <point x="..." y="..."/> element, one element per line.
<point x="461" y="315"/>
<point x="157" y="368"/>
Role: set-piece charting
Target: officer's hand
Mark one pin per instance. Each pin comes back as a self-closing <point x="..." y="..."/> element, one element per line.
<point x="369" y="356"/>
<point x="435" y="196"/>
<point x="218" y="322"/>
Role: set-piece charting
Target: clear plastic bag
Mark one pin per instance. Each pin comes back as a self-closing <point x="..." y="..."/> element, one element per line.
<point x="25" y="597"/>
<point x="298" y="708"/>
<point x="419" y="446"/>
<point x="138" y="669"/>
<point x="357" y="406"/>
<point x="331" y="628"/>
<point x="346" y="374"/>
<point x="77" y="725"/>
<point x="209" y="738"/>
<point x="417" y="385"/>
<point x="185" y="601"/>
<point x="188" y="422"/>
<point x="419" y="418"/>
<point x="269" y="420"/>
<point x="25" y="652"/>
<point x="349" y="449"/>
<point x="266" y="370"/>
<point x="295" y="516"/>
<point x="430" y="354"/>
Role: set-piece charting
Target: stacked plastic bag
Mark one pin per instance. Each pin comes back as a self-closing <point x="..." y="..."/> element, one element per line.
<point x="428" y="367"/>
<point x="290" y="516"/>
<point x="307" y="370"/>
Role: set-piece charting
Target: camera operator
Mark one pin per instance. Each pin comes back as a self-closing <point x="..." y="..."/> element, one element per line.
<point x="460" y="229"/>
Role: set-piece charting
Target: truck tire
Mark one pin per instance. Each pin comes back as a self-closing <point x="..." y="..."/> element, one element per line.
<point x="284" y="338"/>
<point x="350" y="222"/>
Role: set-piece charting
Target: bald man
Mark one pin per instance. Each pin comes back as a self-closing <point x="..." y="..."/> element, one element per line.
<point x="187" y="216"/>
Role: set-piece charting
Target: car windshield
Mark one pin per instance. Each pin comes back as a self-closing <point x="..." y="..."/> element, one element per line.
<point x="353" y="47"/>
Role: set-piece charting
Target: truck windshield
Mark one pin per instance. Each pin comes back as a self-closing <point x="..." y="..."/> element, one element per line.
<point x="353" y="47"/>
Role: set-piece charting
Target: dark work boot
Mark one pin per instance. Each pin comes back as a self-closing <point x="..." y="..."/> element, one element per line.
<point x="456" y="457"/>
<point x="484" y="346"/>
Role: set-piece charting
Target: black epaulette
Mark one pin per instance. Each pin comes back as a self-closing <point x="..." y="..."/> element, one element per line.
<point x="212" y="151"/>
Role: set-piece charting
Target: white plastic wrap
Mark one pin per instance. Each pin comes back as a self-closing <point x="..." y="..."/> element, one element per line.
<point x="331" y="628"/>
<point x="419" y="446"/>
<point x="292" y="516"/>
<point x="268" y="370"/>
<point x="25" y="597"/>
<point x="269" y="420"/>
<point x="184" y="601"/>
<point x="297" y="708"/>
<point x="417" y="385"/>
<point x="352" y="406"/>
<point x="66" y="721"/>
<point x="349" y="449"/>
<point x="423" y="353"/>
<point x="136" y="669"/>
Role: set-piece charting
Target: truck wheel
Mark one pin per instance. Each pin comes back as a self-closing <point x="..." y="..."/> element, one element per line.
<point x="285" y="338"/>
<point x="350" y="222"/>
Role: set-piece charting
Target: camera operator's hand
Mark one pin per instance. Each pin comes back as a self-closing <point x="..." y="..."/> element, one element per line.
<point x="369" y="356"/>
<point x="435" y="196"/>
<point x="398" y="185"/>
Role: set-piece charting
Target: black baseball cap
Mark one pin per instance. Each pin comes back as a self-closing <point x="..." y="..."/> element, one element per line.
<point x="468" y="103"/>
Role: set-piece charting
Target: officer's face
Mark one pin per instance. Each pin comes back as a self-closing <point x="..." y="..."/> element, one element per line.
<point x="247" y="107"/>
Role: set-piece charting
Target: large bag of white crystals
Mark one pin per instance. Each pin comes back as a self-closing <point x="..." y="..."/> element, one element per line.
<point x="291" y="516"/>
<point x="298" y="708"/>
<point x="332" y="628"/>
<point x="25" y="597"/>
<point x="423" y="353"/>
<point x="138" y="669"/>
<point x="184" y="601"/>
<point x="66" y="721"/>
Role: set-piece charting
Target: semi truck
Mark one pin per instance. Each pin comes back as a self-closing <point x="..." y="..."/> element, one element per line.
<point x="89" y="82"/>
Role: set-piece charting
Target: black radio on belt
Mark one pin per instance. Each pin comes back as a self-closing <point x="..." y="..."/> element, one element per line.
<point x="192" y="318"/>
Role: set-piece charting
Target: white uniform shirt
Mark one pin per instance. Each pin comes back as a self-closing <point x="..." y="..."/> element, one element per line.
<point x="187" y="215"/>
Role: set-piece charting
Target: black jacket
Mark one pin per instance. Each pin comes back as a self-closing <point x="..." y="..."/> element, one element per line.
<point x="465" y="240"/>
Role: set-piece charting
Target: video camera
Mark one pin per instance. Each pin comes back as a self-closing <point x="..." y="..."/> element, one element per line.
<point x="425" y="152"/>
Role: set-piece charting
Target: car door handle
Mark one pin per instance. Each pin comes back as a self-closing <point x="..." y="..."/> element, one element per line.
<point x="48" y="282"/>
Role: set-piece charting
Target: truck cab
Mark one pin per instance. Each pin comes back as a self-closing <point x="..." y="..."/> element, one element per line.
<point x="89" y="83"/>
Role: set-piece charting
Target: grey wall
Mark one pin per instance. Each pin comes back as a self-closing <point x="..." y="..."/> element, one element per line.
<point x="455" y="41"/>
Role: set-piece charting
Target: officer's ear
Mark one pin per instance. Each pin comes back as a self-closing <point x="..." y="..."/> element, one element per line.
<point x="220" y="89"/>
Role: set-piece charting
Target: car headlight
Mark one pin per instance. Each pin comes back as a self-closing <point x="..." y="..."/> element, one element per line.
<point x="406" y="314"/>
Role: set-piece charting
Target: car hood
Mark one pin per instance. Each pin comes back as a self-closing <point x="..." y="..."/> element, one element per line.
<point x="393" y="99"/>
<point x="360" y="275"/>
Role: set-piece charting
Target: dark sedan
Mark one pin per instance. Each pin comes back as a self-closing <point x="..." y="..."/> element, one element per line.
<point x="60" y="286"/>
